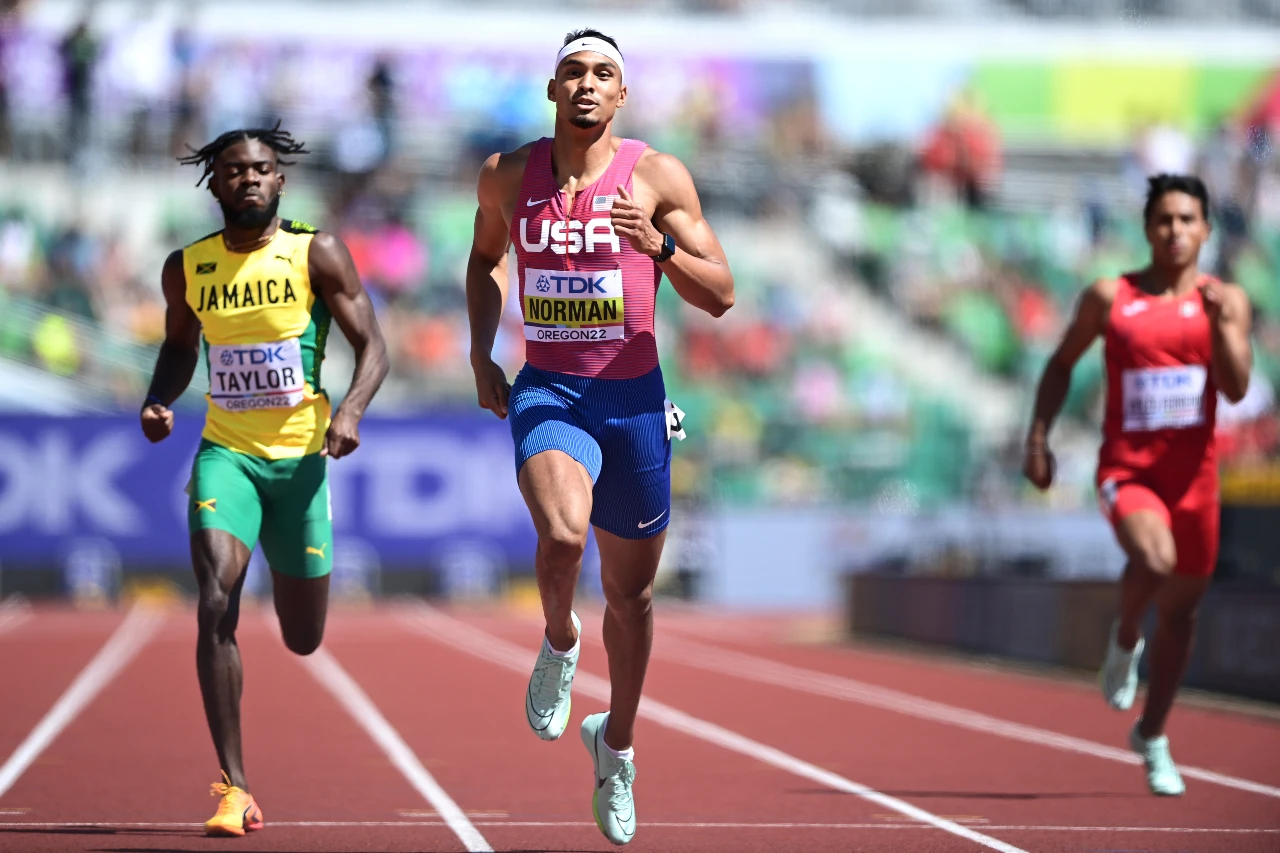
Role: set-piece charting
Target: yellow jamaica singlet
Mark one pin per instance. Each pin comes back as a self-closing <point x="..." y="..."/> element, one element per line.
<point x="264" y="336"/>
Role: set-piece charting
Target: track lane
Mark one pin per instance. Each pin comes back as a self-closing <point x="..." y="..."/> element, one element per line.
<point x="951" y="771"/>
<point x="1216" y="739"/>
<point x="39" y="659"/>
<point x="141" y="754"/>
<point x="476" y="743"/>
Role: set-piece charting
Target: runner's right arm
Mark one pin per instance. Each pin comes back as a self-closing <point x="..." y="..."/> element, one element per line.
<point x="179" y="354"/>
<point x="1089" y="322"/>
<point x="487" y="284"/>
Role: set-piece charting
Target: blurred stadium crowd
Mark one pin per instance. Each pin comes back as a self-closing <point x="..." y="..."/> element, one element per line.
<point x="790" y="402"/>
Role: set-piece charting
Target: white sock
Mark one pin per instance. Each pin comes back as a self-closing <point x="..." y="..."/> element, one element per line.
<point x="628" y="754"/>
<point x="559" y="654"/>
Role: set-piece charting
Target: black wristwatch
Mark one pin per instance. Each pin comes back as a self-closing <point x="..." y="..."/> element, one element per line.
<point x="668" y="249"/>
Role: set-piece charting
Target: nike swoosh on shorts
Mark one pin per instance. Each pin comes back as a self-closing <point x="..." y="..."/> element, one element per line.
<point x="651" y="523"/>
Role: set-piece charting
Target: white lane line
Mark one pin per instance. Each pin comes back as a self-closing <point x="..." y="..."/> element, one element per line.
<point x="14" y="610"/>
<point x="427" y="621"/>
<point x="1185" y="830"/>
<point x="357" y="703"/>
<point x="764" y="671"/>
<point x="123" y="645"/>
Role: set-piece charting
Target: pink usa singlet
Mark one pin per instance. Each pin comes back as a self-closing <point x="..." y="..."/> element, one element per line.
<point x="587" y="296"/>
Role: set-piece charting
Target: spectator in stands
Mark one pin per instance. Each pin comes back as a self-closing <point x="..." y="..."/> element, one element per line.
<point x="6" y="128"/>
<point x="1220" y="163"/>
<point x="1164" y="148"/>
<point x="71" y="259"/>
<point x="187" y="113"/>
<point x="964" y="149"/>
<point x="19" y="252"/>
<point x="382" y="96"/>
<point x="79" y="53"/>
<point x="140" y="66"/>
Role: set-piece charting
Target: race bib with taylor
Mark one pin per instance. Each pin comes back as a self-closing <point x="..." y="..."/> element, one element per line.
<point x="570" y="306"/>
<point x="250" y="377"/>
<point x="1163" y="397"/>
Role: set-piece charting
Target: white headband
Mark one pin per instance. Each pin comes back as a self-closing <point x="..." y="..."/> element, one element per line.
<point x="592" y="44"/>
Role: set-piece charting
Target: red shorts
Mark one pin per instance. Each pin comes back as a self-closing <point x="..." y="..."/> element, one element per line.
<point x="1187" y="502"/>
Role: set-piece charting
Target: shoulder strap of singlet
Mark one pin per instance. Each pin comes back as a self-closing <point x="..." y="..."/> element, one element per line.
<point x="202" y="239"/>
<point x="624" y="162"/>
<point x="536" y="168"/>
<point x="1126" y="290"/>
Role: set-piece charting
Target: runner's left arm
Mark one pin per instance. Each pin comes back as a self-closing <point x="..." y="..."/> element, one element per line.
<point x="1231" y="318"/>
<point x="698" y="270"/>
<point x="334" y="276"/>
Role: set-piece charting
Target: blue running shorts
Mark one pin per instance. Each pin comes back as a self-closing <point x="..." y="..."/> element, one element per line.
<point x="617" y="429"/>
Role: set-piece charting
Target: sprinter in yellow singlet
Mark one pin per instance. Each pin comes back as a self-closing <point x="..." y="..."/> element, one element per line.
<point x="259" y="296"/>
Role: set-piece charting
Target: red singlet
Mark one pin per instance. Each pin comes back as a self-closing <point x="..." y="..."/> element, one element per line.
<point x="1158" y="448"/>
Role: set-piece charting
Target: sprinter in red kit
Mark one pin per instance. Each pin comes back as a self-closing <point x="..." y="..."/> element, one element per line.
<point x="1174" y="338"/>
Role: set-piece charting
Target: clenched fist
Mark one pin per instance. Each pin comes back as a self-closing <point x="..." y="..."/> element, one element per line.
<point x="157" y="422"/>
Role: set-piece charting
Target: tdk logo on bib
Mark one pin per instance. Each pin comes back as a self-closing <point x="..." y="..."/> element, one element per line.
<point x="571" y="237"/>
<point x="573" y="285"/>
<point x="1163" y="381"/>
<point x="242" y="357"/>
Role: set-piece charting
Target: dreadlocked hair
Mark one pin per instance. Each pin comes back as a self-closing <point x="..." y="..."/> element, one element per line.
<point x="279" y="141"/>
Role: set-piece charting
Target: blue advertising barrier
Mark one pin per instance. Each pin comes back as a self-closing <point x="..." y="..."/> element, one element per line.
<point x="436" y="490"/>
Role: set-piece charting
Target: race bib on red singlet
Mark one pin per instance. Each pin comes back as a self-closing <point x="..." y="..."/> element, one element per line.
<point x="568" y="306"/>
<point x="1163" y="397"/>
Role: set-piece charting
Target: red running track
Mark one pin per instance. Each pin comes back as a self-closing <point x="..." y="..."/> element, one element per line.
<point x="407" y="733"/>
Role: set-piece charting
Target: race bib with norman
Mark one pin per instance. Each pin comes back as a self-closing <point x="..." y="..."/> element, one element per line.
<point x="573" y="306"/>
<point x="250" y="377"/>
<point x="1163" y="397"/>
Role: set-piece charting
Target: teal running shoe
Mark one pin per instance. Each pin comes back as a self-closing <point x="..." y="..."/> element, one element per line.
<point x="1163" y="777"/>
<point x="1118" y="677"/>
<point x="547" y="701"/>
<point x="612" y="803"/>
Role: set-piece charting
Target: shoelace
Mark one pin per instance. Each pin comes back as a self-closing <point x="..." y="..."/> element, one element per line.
<point x="620" y="790"/>
<point x="1160" y="760"/>
<point x="222" y="789"/>
<point x="546" y="680"/>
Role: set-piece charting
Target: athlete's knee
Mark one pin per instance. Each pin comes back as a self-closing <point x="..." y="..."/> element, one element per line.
<point x="628" y="602"/>
<point x="1155" y="558"/>
<point x="563" y="542"/>
<point x="216" y="612"/>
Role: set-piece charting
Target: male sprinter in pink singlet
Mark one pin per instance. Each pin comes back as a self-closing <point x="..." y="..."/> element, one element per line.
<point x="596" y="221"/>
<point x="1174" y="338"/>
